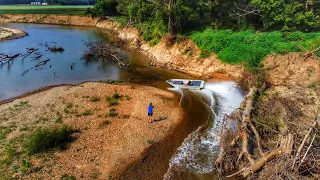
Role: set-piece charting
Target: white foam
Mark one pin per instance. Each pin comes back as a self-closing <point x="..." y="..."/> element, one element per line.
<point x="199" y="150"/>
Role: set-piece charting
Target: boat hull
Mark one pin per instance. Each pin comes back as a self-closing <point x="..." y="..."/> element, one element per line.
<point x="183" y="84"/>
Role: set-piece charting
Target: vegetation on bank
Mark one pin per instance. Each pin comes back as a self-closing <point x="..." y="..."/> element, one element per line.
<point x="56" y="9"/>
<point x="238" y="31"/>
<point x="252" y="47"/>
<point x="45" y="139"/>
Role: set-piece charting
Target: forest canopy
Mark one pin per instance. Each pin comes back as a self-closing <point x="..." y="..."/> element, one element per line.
<point x="180" y="16"/>
<point x="61" y="2"/>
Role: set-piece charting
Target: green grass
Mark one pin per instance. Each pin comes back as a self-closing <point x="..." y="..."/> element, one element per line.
<point x="251" y="47"/>
<point x="4" y="131"/>
<point x="43" y="140"/>
<point x="54" y="9"/>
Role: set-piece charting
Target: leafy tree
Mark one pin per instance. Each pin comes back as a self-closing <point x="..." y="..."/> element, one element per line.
<point x="287" y="15"/>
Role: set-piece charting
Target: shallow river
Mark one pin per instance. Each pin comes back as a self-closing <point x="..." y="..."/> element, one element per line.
<point x="194" y="159"/>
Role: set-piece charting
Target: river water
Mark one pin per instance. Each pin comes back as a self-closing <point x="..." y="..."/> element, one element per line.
<point x="194" y="159"/>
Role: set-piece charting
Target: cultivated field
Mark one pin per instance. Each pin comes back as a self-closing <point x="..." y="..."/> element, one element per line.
<point x="34" y="9"/>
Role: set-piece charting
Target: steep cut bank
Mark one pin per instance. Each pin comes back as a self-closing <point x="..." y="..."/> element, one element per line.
<point x="9" y="34"/>
<point x="166" y="53"/>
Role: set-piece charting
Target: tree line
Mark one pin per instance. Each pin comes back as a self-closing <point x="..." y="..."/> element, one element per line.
<point x="181" y="16"/>
<point x="62" y="2"/>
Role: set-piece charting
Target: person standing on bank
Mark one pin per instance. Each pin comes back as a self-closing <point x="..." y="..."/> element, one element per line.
<point x="150" y="112"/>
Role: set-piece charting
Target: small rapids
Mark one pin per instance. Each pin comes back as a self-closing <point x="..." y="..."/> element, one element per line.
<point x="197" y="154"/>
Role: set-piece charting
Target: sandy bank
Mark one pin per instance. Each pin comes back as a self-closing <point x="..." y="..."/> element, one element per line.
<point x="9" y="34"/>
<point x="101" y="150"/>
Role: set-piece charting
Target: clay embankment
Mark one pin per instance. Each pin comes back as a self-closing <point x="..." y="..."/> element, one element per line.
<point x="9" y="34"/>
<point x="164" y="54"/>
<point x="108" y="144"/>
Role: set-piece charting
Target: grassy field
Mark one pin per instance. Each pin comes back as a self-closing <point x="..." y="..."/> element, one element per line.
<point x="33" y="9"/>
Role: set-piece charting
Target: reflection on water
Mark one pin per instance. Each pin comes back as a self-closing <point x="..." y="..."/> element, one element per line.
<point x="195" y="158"/>
<point x="57" y="70"/>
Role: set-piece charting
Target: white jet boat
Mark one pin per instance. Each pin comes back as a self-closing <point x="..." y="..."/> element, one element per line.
<point x="186" y="84"/>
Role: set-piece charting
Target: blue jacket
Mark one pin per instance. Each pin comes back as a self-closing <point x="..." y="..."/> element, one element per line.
<point x="150" y="109"/>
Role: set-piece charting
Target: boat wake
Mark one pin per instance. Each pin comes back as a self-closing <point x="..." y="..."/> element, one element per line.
<point x="198" y="152"/>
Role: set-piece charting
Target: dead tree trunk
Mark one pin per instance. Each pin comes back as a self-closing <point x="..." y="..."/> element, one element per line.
<point x="243" y="115"/>
<point x="317" y="120"/>
<point x="285" y="147"/>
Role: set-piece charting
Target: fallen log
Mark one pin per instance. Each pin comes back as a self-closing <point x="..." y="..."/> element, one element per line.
<point x="305" y="154"/>
<point x="316" y="122"/>
<point x="41" y="63"/>
<point x="36" y="57"/>
<point x="105" y="51"/>
<point x="25" y="72"/>
<point x="286" y="146"/>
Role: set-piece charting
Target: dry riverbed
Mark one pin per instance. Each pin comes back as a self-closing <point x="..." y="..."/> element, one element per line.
<point x="9" y="34"/>
<point x="113" y="130"/>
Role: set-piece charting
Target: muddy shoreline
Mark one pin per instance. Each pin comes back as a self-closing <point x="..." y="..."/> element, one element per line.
<point x="7" y="34"/>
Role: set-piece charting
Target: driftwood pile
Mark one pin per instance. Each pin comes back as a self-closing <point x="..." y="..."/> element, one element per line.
<point x="5" y="58"/>
<point x="104" y="51"/>
<point x="253" y="161"/>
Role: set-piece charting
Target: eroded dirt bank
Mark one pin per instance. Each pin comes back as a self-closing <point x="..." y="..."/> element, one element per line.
<point x="9" y="34"/>
<point x="165" y="54"/>
<point x="111" y="138"/>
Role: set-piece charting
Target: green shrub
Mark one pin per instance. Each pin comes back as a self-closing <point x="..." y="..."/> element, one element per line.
<point x="128" y="97"/>
<point x="4" y="131"/>
<point x="112" y="112"/>
<point x="94" y="99"/>
<point x="67" y="177"/>
<point x="9" y="152"/>
<point x="116" y="95"/>
<point x="69" y="105"/>
<point x="25" y="166"/>
<point x="104" y="124"/>
<point x="43" y="140"/>
<point x="87" y="113"/>
<point x="112" y="102"/>
<point x="122" y="20"/>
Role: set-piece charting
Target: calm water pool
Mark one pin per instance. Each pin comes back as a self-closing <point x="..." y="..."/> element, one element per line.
<point x="193" y="160"/>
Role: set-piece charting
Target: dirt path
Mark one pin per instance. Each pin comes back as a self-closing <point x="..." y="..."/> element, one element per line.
<point x="9" y="34"/>
<point x="109" y="143"/>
